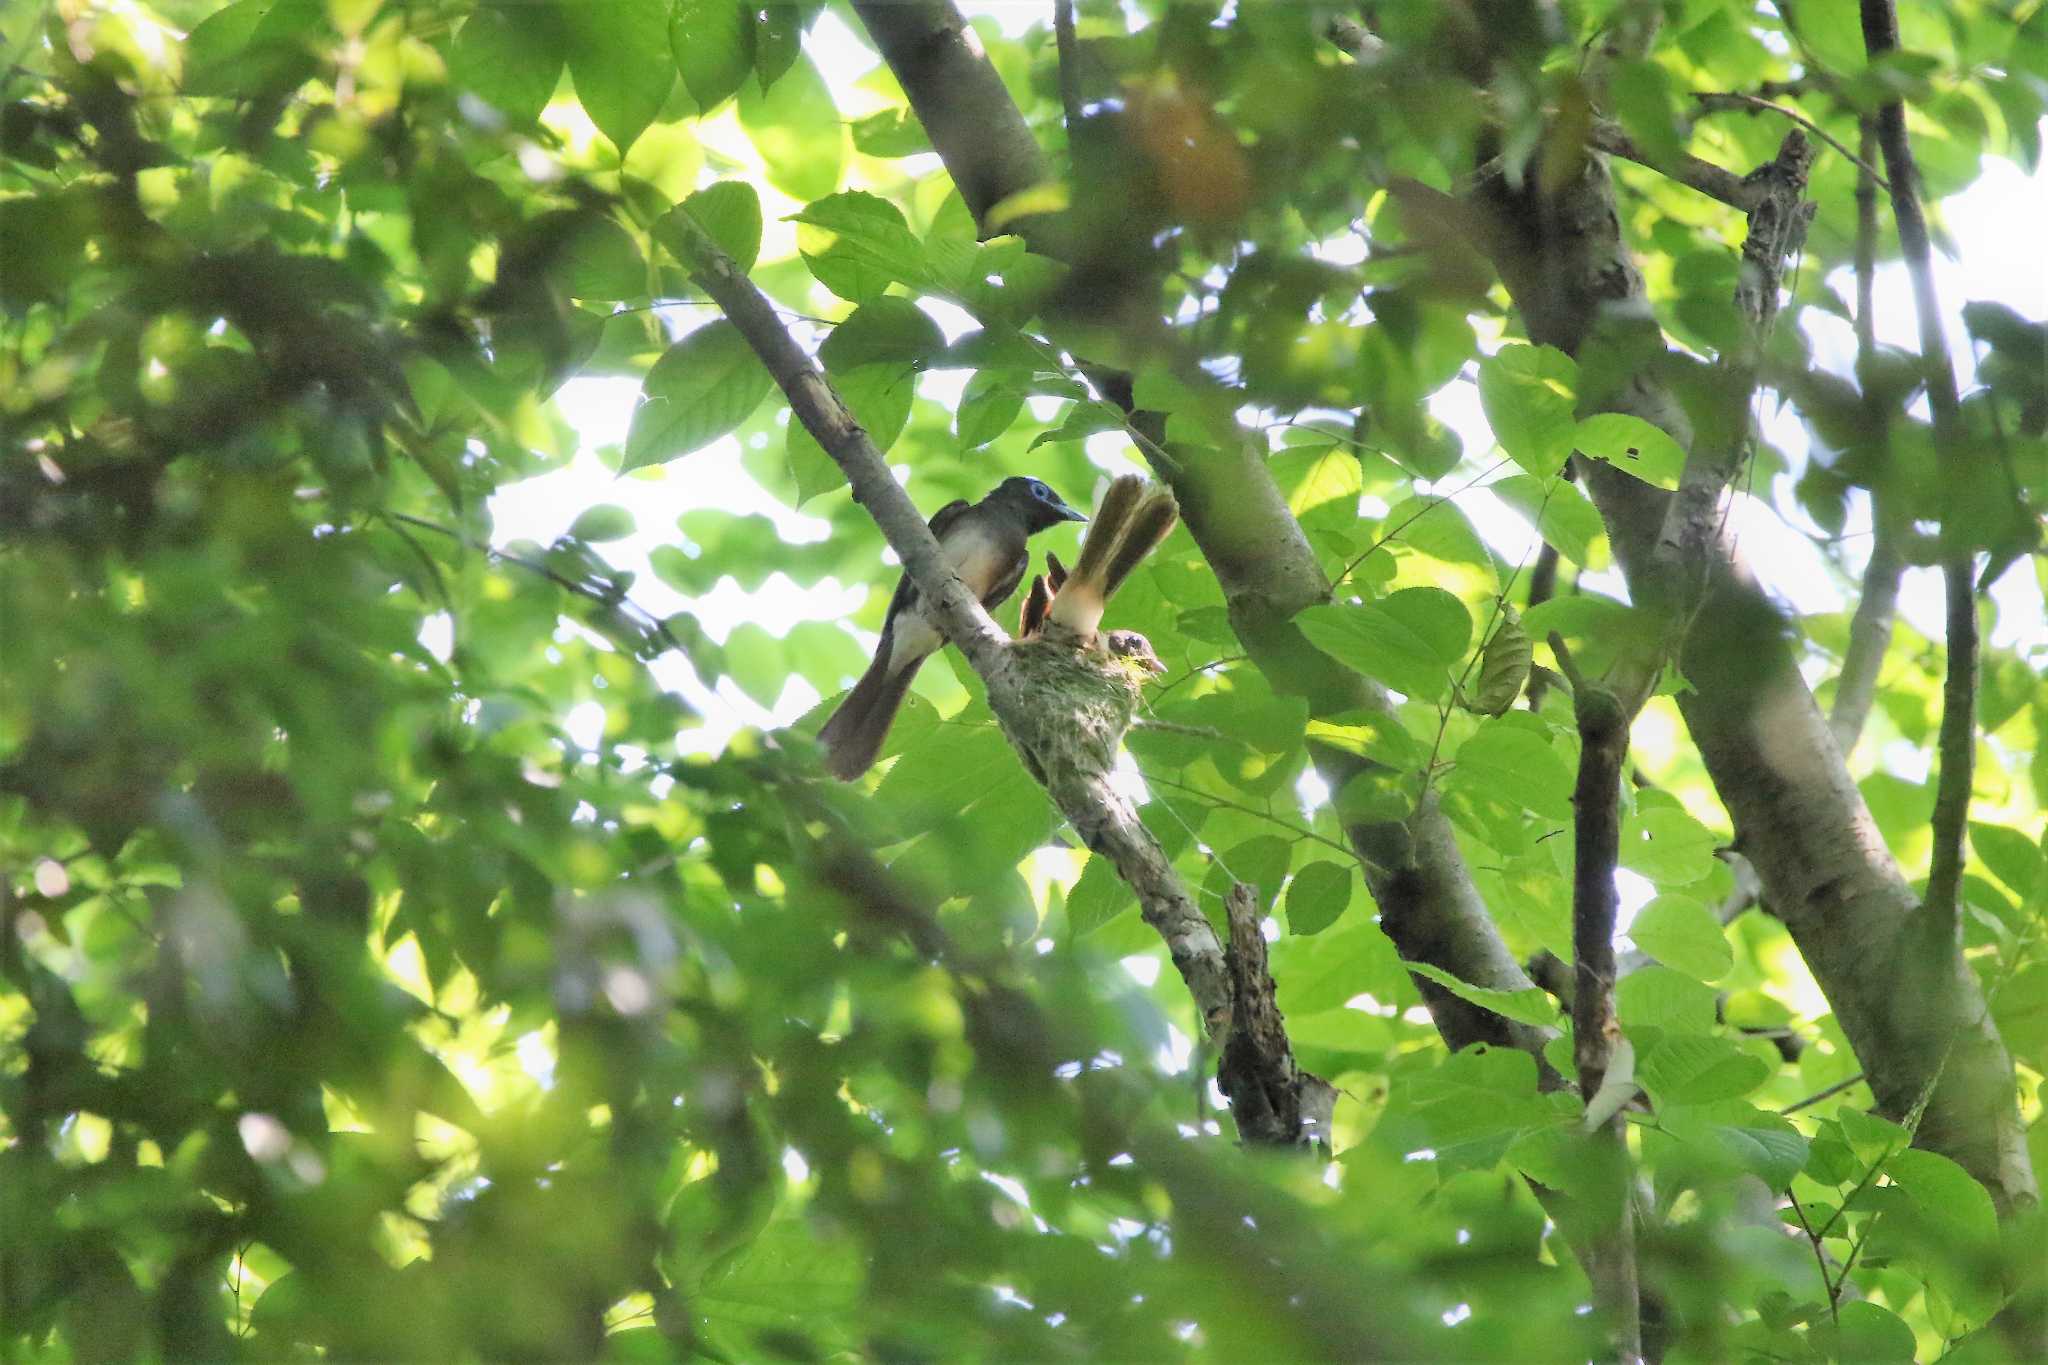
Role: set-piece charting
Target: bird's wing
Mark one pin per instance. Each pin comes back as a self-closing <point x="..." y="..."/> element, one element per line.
<point x="906" y="591"/>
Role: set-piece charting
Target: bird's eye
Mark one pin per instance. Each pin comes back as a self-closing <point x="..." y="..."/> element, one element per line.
<point x="1039" y="490"/>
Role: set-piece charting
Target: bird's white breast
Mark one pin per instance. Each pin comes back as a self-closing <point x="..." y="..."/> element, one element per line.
<point x="979" y="559"/>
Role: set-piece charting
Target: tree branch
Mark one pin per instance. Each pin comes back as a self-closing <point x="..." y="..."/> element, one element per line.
<point x="1242" y="525"/>
<point x="1273" y="1100"/>
<point x="1958" y="740"/>
<point x="1603" y="723"/>
<point x="1773" y="761"/>
<point x="1711" y="102"/>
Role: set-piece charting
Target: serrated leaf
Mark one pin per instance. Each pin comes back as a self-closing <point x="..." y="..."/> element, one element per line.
<point x="1410" y="640"/>
<point x="1657" y="997"/>
<point x="1526" y="1006"/>
<point x="728" y="212"/>
<point x="703" y="387"/>
<point x="1682" y="933"/>
<point x="1529" y="395"/>
<point x="1513" y="765"/>
<point x="889" y="330"/>
<point x="1317" y="896"/>
<point x="620" y="61"/>
<point x="1633" y="446"/>
<point x="1561" y="514"/>
<point x="1691" y="1068"/>
<point x="858" y="245"/>
<point x="1764" y="1144"/>
<point x="713" y="45"/>
<point x="879" y="396"/>
<point x="1667" y="845"/>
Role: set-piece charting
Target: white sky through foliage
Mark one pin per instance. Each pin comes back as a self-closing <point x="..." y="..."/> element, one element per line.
<point x="1995" y="226"/>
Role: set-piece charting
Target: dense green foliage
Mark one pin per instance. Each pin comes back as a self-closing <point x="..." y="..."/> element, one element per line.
<point x="350" y="1005"/>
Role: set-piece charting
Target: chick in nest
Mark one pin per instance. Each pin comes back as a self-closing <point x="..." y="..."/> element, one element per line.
<point x="1089" y="679"/>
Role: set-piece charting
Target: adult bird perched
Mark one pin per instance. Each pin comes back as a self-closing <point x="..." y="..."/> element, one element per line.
<point x="985" y="543"/>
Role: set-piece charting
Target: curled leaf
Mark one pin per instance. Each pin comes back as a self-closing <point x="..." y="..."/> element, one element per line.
<point x="1503" y="668"/>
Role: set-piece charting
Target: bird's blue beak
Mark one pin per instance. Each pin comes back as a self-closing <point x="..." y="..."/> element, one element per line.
<point x="1067" y="512"/>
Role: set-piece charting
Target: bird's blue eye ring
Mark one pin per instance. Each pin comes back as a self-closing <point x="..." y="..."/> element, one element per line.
<point x="1039" y="490"/>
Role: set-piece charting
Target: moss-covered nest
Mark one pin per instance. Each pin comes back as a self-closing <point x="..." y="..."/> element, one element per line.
<point x="1078" y="703"/>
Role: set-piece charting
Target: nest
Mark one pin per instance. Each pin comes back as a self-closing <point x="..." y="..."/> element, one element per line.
<point x="1078" y="702"/>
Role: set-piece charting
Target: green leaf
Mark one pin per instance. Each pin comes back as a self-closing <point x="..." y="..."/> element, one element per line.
<point x="1473" y="1107"/>
<point x="703" y="387"/>
<point x="756" y="662"/>
<point x="1657" y="997"/>
<point x="890" y="330"/>
<point x="1526" y="1006"/>
<point x="795" y="127"/>
<point x="778" y="37"/>
<point x="1322" y="972"/>
<point x="879" y="396"/>
<point x="989" y="404"/>
<point x="1864" y="1332"/>
<point x="619" y="58"/>
<point x="1410" y="640"/>
<point x="600" y="262"/>
<point x="728" y="212"/>
<point x="1529" y="394"/>
<point x="713" y="45"/>
<point x="510" y="57"/>
<point x="1082" y="421"/>
<point x="1512" y="764"/>
<point x="605" y="521"/>
<point x="1692" y="1068"/>
<point x="1952" y="1201"/>
<point x="1683" y="934"/>
<point x="1667" y="845"/>
<point x="1633" y="446"/>
<point x="790" y="1277"/>
<point x="1099" y="897"/>
<point x="1437" y="527"/>
<point x="1503" y="667"/>
<point x="1561" y="514"/>
<point x="891" y="133"/>
<point x="1766" y="1145"/>
<point x="2012" y="857"/>
<point x="1317" y="896"/>
<point x="858" y="245"/>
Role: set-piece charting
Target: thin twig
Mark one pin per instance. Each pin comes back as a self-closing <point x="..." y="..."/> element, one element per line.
<point x="1837" y="1088"/>
<point x="639" y="617"/>
<point x="1712" y="102"/>
<point x="1268" y="816"/>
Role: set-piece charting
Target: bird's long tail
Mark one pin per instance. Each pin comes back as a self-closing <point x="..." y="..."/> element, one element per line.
<point x="1129" y="524"/>
<point x="853" y="736"/>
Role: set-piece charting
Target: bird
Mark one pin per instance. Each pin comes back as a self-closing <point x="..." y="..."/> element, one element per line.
<point x="1131" y="521"/>
<point x="1130" y="646"/>
<point x="986" y="544"/>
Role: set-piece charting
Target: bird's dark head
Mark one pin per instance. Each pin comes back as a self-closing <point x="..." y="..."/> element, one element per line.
<point x="1034" y="501"/>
